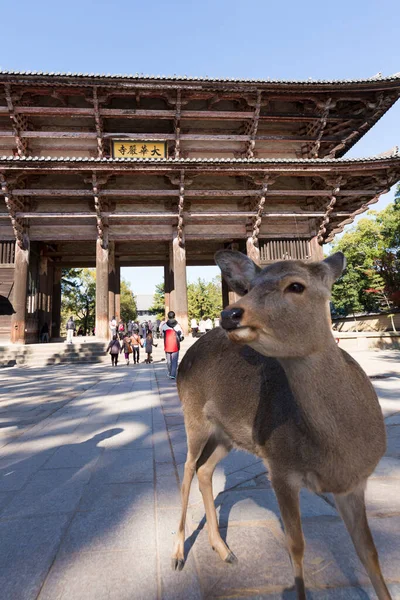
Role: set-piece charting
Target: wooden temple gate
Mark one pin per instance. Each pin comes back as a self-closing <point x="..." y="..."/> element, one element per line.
<point x="109" y="172"/>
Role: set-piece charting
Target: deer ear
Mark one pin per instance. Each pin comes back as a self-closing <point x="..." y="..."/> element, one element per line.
<point x="237" y="269"/>
<point x="336" y="265"/>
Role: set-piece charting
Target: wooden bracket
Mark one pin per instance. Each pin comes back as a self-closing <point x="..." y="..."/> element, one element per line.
<point x="19" y="123"/>
<point x="180" y="232"/>
<point x="253" y="126"/>
<point x="331" y="204"/>
<point x="13" y="206"/>
<point x="101" y="220"/>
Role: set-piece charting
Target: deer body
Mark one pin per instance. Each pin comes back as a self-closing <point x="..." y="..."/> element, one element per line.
<point x="280" y="414"/>
<point x="275" y="383"/>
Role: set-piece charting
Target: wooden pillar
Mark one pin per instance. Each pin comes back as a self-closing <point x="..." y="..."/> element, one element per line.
<point x="102" y="330"/>
<point x="228" y="296"/>
<point x="117" y="291"/>
<point x="56" y="304"/>
<point x="317" y="252"/>
<point x="18" y="319"/>
<point x="178" y="293"/>
<point x="44" y="292"/>
<point x="167" y="289"/>
<point x="112" y="280"/>
<point x="252" y="250"/>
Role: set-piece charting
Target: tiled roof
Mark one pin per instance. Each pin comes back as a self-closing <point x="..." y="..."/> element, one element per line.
<point x="185" y="78"/>
<point x="316" y="161"/>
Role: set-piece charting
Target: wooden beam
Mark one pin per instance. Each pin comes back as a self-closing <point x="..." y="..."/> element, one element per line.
<point x="18" y="122"/>
<point x="13" y="205"/>
<point x="98" y="125"/>
<point x="329" y="209"/>
<point x="172" y="215"/>
<point x="177" y="123"/>
<point x="102" y="222"/>
<point x="133" y="113"/>
<point x="312" y="150"/>
<point x="45" y="193"/>
<point x="213" y="137"/>
<point x="249" y="152"/>
<point x="379" y="108"/>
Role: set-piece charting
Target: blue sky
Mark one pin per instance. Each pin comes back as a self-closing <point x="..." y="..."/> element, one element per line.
<point x="215" y="38"/>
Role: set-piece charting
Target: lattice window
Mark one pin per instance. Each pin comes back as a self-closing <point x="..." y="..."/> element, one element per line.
<point x="284" y="250"/>
<point x="7" y="253"/>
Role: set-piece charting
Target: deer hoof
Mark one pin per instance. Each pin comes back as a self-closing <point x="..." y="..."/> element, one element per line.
<point x="177" y="564"/>
<point x="231" y="559"/>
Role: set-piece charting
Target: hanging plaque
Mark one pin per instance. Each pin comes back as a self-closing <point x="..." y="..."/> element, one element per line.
<point x="138" y="149"/>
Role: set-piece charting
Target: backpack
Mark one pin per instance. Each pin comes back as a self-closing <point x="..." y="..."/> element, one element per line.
<point x="121" y="327"/>
<point x="171" y="343"/>
<point x="115" y="347"/>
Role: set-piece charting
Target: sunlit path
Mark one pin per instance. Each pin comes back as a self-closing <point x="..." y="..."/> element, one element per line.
<point x="90" y="459"/>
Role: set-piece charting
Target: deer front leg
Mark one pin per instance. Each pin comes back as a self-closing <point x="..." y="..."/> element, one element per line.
<point x="288" y="500"/>
<point x="352" y="510"/>
<point x="196" y="444"/>
<point x="204" y="473"/>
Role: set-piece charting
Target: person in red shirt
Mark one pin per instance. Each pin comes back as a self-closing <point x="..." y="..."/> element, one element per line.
<point x="173" y="335"/>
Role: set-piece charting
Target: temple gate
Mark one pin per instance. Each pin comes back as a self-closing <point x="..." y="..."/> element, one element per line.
<point x="106" y="172"/>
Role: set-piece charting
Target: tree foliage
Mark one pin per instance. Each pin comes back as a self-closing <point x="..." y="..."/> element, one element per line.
<point x="372" y="250"/>
<point x="158" y="307"/>
<point x="205" y="299"/>
<point x="78" y="288"/>
<point x="128" y="302"/>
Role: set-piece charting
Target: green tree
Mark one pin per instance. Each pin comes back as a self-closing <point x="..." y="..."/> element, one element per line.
<point x="205" y="298"/>
<point x="372" y="250"/>
<point x="128" y="302"/>
<point x="158" y="307"/>
<point x="78" y="287"/>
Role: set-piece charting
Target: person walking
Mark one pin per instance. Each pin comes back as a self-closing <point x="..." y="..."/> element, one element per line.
<point x="173" y="335"/>
<point x="149" y="346"/>
<point x="208" y="325"/>
<point x="194" y="327"/>
<point x="135" y="337"/>
<point x="44" y="333"/>
<point x="114" y="347"/>
<point x="130" y="327"/>
<point x="143" y="329"/>
<point x="70" y="330"/>
<point x="121" y="329"/>
<point x="127" y="347"/>
<point x="113" y="326"/>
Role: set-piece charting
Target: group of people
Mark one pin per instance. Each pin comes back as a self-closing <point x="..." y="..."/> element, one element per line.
<point x="203" y="326"/>
<point x="130" y="338"/>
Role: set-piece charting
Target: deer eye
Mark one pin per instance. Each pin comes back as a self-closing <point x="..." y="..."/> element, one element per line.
<point x="295" y="288"/>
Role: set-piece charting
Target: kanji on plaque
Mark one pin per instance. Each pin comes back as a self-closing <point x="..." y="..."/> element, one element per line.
<point x="138" y="149"/>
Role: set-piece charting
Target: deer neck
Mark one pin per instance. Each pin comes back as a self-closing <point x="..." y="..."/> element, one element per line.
<point x="316" y="382"/>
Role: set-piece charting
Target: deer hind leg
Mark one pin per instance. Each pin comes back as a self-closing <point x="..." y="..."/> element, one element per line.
<point x="214" y="451"/>
<point x="352" y="510"/>
<point x="196" y="445"/>
<point x="289" y="506"/>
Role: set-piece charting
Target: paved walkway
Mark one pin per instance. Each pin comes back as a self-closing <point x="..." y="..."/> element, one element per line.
<point x="90" y="459"/>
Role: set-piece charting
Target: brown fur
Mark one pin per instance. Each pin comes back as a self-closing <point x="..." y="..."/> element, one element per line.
<point x="280" y="388"/>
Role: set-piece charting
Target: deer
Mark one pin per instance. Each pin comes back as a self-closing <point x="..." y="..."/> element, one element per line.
<point x="279" y="387"/>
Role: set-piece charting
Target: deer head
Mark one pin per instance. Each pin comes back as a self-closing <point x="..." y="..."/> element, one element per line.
<point x="284" y="311"/>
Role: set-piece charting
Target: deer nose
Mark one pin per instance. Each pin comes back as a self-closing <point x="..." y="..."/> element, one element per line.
<point x="230" y="319"/>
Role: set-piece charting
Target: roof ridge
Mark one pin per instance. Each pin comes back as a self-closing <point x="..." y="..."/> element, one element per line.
<point x="137" y="76"/>
<point x="376" y="157"/>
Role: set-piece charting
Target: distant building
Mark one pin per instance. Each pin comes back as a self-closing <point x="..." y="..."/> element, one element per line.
<point x="143" y="303"/>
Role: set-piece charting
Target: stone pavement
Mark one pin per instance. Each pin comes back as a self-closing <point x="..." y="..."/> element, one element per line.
<point x="90" y="459"/>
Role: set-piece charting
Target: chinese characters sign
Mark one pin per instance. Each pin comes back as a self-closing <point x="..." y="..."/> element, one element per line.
<point x="138" y="149"/>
